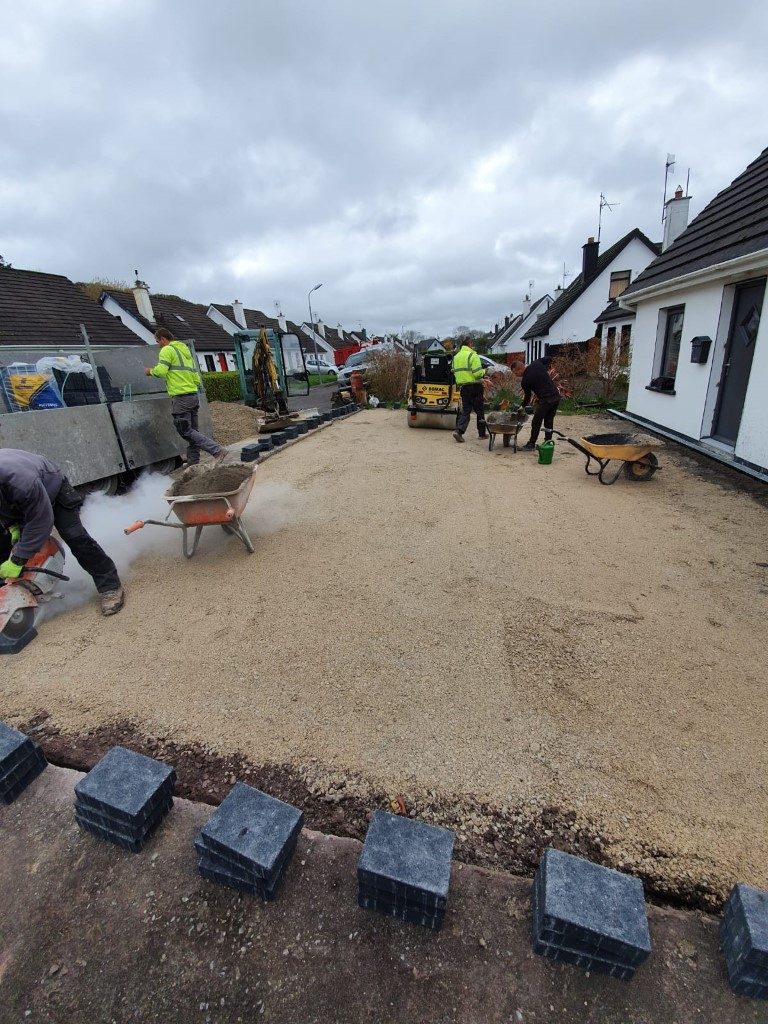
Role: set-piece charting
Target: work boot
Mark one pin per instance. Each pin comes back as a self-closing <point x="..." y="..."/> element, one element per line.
<point x="530" y="447"/>
<point x="458" y="436"/>
<point x="112" y="601"/>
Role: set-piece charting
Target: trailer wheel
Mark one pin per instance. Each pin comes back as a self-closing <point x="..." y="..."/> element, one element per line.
<point x="643" y="469"/>
<point x="108" y="485"/>
<point x="165" y="466"/>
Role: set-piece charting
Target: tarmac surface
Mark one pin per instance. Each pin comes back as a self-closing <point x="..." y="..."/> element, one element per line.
<point x="89" y="932"/>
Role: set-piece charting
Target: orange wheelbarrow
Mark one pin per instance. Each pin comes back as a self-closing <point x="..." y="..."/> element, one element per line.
<point x="198" y="510"/>
<point x="635" y="455"/>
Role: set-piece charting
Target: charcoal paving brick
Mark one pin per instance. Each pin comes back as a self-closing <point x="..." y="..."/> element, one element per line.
<point x="252" y="829"/>
<point x="119" y="825"/>
<point x="11" y="776"/>
<point x="603" y="908"/>
<point x="744" y="940"/>
<point x="213" y="873"/>
<point x="257" y="876"/>
<point x="13" y="790"/>
<point x="122" y="819"/>
<point x="133" y="845"/>
<point x="125" y="783"/>
<point x="15" y="746"/>
<point x="401" y="853"/>
<point x="578" y="959"/>
<point x="434" y="922"/>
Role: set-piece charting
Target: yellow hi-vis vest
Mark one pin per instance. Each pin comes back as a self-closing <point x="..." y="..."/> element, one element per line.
<point x="177" y="364"/>
<point x="466" y="366"/>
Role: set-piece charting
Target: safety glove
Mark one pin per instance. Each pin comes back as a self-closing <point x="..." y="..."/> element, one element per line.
<point x="15" y="532"/>
<point x="10" y="569"/>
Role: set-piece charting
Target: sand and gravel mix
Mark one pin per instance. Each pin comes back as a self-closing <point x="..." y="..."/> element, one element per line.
<point x="233" y="422"/>
<point x="469" y="629"/>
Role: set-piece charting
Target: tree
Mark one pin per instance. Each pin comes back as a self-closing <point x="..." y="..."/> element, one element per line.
<point x="410" y="337"/>
<point x="482" y="339"/>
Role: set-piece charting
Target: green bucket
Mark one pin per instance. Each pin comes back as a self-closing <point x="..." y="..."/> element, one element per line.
<point x="546" y="451"/>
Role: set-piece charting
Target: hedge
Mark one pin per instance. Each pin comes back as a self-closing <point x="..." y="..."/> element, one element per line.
<point x="222" y="387"/>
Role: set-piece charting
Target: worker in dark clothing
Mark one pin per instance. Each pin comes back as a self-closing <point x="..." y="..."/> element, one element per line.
<point x="537" y="380"/>
<point x="468" y="373"/>
<point x="35" y="496"/>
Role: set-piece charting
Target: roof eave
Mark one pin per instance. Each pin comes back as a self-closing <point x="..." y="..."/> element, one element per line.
<point x="737" y="266"/>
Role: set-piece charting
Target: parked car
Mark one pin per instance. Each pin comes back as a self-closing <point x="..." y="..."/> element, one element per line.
<point x="491" y="367"/>
<point x="319" y="365"/>
<point x="357" y="361"/>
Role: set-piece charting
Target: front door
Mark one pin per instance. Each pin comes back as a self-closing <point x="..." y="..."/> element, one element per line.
<point x="739" y="349"/>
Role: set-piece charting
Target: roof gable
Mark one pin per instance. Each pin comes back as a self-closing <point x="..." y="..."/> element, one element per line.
<point x="47" y="309"/>
<point x="734" y="224"/>
<point x="579" y="285"/>
<point x="188" y="321"/>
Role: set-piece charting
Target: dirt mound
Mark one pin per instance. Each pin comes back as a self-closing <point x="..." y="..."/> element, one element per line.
<point x="233" y="422"/>
<point x="219" y="480"/>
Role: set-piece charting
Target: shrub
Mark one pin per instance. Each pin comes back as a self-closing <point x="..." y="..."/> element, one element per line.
<point x="503" y="387"/>
<point x="387" y="375"/>
<point x="222" y="387"/>
<point x="593" y="373"/>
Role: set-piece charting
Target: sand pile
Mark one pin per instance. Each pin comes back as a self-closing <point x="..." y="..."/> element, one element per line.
<point x="219" y="480"/>
<point x="233" y="422"/>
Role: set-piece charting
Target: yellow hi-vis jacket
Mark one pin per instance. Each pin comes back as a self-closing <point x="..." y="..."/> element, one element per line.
<point x="177" y="364"/>
<point x="466" y="366"/>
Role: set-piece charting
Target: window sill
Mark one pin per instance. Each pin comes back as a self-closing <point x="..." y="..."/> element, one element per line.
<point x="659" y="391"/>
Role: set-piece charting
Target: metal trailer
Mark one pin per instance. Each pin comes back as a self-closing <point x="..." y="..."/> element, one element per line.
<point x="103" y="444"/>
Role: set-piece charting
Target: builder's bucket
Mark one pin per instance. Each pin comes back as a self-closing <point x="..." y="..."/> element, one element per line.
<point x="546" y="451"/>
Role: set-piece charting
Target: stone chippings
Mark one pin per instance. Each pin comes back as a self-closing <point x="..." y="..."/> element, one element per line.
<point x="589" y="916"/>
<point x="124" y="798"/>
<point x="21" y="761"/>
<point x="744" y="940"/>
<point x="248" y="841"/>
<point x="404" y="870"/>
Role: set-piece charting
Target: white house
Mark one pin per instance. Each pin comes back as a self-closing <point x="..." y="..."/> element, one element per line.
<point x="571" y="317"/>
<point x="510" y="338"/>
<point x="700" y="351"/>
<point x="143" y="313"/>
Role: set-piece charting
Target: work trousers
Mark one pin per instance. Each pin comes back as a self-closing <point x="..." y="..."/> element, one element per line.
<point x="90" y="554"/>
<point x="544" y="413"/>
<point x="184" y="409"/>
<point x="471" y="402"/>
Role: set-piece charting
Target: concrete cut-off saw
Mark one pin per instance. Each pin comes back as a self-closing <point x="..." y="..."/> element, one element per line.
<point x="23" y="600"/>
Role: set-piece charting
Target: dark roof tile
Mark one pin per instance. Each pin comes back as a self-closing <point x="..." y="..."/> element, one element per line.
<point x="734" y="224"/>
<point x="613" y="311"/>
<point x="47" y="309"/>
<point x="189" y="321"/>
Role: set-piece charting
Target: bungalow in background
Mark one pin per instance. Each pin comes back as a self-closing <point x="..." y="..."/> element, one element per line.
<point x="143" y="313"/>
<point x="571" y="317"/>
<point x="508" y="340"/>
<point x="700" y="350"/>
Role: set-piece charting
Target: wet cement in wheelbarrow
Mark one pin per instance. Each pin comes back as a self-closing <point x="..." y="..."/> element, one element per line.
<point x="219" y="480"/>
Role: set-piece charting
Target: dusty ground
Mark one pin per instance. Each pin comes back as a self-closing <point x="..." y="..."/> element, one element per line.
<point x="92" y="933"/>
<point x="514" y="648"/>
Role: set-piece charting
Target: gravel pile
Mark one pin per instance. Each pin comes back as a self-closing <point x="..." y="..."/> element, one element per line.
<point x="233" y="422"/>
<point x="216" y="480"/>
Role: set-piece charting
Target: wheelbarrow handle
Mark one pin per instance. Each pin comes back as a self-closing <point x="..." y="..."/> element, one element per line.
<point x="134" y="526"/>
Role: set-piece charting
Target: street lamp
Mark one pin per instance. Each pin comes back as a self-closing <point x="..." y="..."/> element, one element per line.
<point x="311" y="321"/>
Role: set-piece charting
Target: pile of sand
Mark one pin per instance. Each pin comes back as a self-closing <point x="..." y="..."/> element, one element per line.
<point x="233" y="422"/>
<point x="216" y="480"/>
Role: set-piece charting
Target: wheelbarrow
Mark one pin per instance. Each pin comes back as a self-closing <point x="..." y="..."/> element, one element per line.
<point x="199" y="510"/>
<point x="635" y="455"/>
<point x="508" y="424"/>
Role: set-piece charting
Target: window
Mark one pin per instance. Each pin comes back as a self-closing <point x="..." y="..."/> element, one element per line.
<point x="673" y="331"/>
<point x="624" y="342"/>
<point x="619" y="283"/>
<point x="209" y="363"/>
<point x="610" y="344"/>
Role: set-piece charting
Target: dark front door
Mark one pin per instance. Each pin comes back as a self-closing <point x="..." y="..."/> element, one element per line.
<point x="739" y="349"/>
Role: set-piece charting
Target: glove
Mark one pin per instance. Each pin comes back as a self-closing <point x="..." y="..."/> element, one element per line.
<point x="15" y="532"/>
<point x="10" y="569"/>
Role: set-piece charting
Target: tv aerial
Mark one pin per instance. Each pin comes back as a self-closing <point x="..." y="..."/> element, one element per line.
<point x="604" y="204"/>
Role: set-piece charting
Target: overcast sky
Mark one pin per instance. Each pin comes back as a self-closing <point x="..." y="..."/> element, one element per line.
<point x="423" y="160"/>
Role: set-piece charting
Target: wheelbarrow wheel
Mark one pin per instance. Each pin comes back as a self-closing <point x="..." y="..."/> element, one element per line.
<point x="643" y="469"/>
<point x="506" y="440"/>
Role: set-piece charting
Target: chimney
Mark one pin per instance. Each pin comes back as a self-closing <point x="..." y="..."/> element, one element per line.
<point x="238" y="310"/>
<point x="506" y="321"/>
<point x="320" y="328"/>
<point x="282" y="323"/>
<point x="589" y="260"/>
<point x="675" y="217"/>
<point x="558" y="292"/>
<point x="143" y="301"/>
<point x="526" y="305"/>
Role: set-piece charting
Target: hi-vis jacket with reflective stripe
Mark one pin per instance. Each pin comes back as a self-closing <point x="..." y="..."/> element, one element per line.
<point x="466" y="366"/>
<point x="177" y="364"/>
